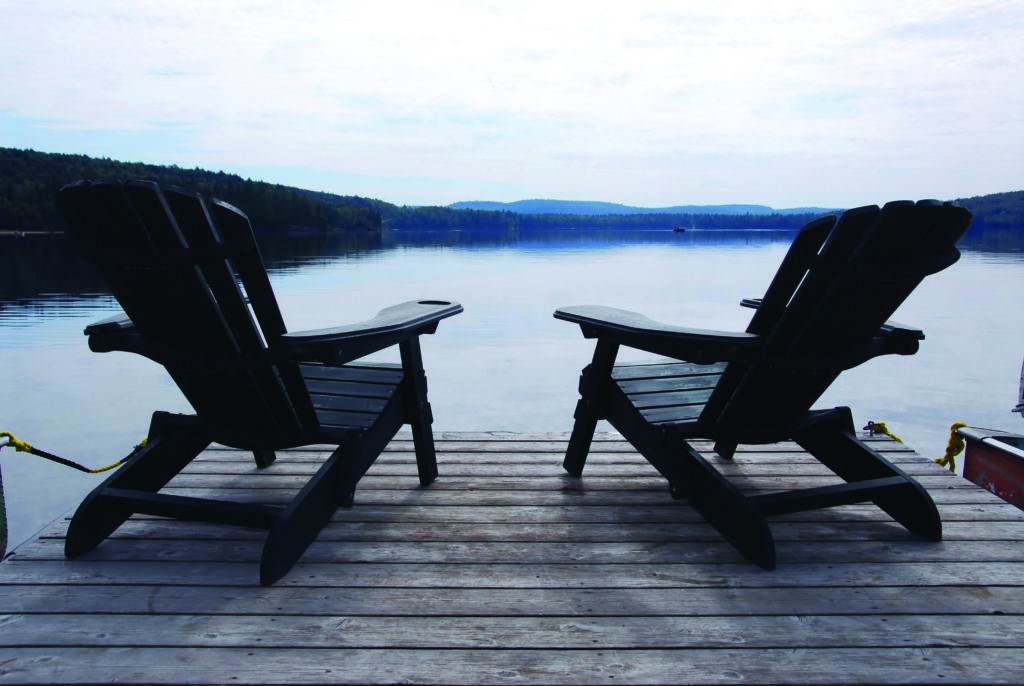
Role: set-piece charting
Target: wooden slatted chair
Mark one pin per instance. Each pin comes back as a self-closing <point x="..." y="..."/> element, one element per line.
<point x="825" y="311"/>
<point x="197" y="300"/>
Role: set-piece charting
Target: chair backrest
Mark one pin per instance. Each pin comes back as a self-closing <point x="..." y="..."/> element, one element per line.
<point x="178" y="265"/>
<point x="838" y="284"/>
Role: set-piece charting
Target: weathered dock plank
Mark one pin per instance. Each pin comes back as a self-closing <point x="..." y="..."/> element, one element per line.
<point x="667" y="511"/>
<point x="497" y="666"/>
<point x="507" y="571"/>
<point x="512" y="602"/>
<point x="550" y="633"/>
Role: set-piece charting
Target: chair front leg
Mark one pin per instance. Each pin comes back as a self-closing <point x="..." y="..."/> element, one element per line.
<point x="173" y="441"/>
<point x="830" y="436"/>
<point x="417" y="409"/>
<point x="593" y="381"/>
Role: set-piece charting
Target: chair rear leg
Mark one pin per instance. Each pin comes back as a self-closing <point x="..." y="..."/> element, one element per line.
<point x="173" y="442"/>
<point x="264" y="458"/>
<point x="593" y="380"/>
<point x="417" y="410"/>
<point x="725" y="449"/>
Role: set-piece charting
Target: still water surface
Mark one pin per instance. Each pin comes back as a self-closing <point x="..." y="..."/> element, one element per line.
<point x="505" y="364"/>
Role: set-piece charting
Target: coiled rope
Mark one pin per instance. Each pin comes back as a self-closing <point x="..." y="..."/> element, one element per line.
<point x="954" y="446"/>
<point x="881" y="428"/>
<point x="7" y="439"/>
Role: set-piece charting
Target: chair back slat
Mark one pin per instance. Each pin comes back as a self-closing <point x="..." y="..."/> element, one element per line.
<point x="799" y="258"/>
<point x="135" y="231"/>
<point x="802" y="255"/>
<point x="236" y="229"/>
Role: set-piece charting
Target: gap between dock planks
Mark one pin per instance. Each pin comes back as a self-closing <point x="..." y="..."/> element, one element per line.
<point x="507" y="571"/>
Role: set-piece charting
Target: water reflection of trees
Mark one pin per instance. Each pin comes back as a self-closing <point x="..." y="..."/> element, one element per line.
<point x="992" y="240"/>
<point x="42" y="267"/>
<point x="46" y="270"/>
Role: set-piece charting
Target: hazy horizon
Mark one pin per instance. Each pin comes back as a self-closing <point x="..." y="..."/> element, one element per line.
<point x="647" y="105"/>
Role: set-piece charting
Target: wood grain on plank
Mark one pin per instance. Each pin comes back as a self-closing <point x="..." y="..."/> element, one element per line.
<point x="619" y="602"/>
<point x="326" y="549"/>
<point x="539" y="483"/>
<point x="671" y="532"/>
<point x="548" y="468"/>
<point x="667" y="512"/>
<point x="429" y="496"/>
<point x="476" y="666"/>
<point x="486" y="575"/>
<point x="549" y="633"/>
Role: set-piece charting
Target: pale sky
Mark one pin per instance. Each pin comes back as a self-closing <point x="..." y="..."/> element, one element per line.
<point x="641" y="102"/>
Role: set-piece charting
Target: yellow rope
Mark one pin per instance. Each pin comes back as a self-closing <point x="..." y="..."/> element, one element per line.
<point x="26" y="447"/>
<point x="881" y="428"/>
<point x="954" y="446"/>
<point x="107" y="468"/>
<point x="20" y="446"/>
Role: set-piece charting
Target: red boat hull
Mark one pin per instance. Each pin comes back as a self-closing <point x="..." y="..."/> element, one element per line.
<point x="995" y="463"/>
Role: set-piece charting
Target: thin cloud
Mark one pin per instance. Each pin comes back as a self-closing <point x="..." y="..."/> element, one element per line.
<point x="434" y="102"/>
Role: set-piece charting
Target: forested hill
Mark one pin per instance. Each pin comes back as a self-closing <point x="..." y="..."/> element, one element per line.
<point x="998" y="211"/>
<point x="29" y="182"/>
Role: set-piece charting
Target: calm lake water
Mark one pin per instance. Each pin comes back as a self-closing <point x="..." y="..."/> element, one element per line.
<point x="505" y="364"/>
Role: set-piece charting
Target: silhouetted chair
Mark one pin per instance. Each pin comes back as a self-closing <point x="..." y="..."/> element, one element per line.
<point x="824" y="312"/>
<point x="197" y="300"/>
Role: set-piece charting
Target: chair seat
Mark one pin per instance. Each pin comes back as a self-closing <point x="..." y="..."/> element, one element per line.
<point x="666" y="391"/>
<point x="351" y="396"/>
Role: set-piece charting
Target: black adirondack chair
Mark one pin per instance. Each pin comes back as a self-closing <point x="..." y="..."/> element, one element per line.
<point x="825" y="311"/>
<point x="197" y="300"/>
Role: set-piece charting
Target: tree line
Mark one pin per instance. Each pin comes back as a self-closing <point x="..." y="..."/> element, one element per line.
<point x="29" y="182"/>
<point x="998" y="211"/>
<point x="439" y="218"/>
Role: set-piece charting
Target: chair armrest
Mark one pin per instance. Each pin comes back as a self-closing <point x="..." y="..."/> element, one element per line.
<point x="390" y="326"/>
<point x="635" y="330"/>
<point x="890" y="328"/>
<point x="336" y="345"/>
<point x="118" y="322"/>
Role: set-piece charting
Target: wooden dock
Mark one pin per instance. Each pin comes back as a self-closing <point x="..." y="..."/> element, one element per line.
<point x="506" y="571"/>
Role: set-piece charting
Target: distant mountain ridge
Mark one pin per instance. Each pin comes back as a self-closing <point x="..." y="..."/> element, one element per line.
<point x="595" y="207"/>
<point x="29" y="181"/>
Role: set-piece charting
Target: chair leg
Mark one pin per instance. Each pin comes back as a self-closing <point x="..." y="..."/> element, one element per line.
<point x="300" y="522"/>
<point x="264" y="458"/>
<point x="725" y="449"/>
<point x="592" y="385"/>
<point x="173" y="442"/>
<point x="725" y="508"/>
<point x="690" y="475"/>
<point x="830" y="436"/>
<point x="417" y="410"/>
<point x="332" y="486"/>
